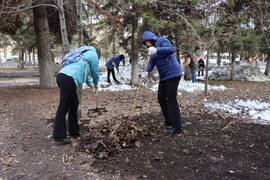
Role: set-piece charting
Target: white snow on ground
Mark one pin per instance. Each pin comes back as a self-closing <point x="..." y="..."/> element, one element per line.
<point x="262" y="67"/>
<point x="244" y="72"/>
<point x="11" y="82"/>
<point x="115" y="87"/>
<point x="188" y="86"/>
<point x="262" y="116"/>
<point x="124" y="76"/>
<point x="256" y="110"/>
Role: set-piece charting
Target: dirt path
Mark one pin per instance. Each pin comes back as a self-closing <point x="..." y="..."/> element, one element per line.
<point x="26" y="152"/>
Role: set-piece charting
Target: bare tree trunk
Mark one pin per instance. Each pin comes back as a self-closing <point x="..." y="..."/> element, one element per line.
<point x="79" y="22"/>
<point x="29" y="57"/>
<point x="33" y="56"/>
<point x="45" y="62"/>
<point x="177" y="44"/>
<point x="206" y="73"/>
<point x="80" y="42"/>
<point x="5" y="53"/>
<point x="233" y="66"/>
<point x="135" y="52"/>
<point x="21" y="59"/>
<point x="218" y="58"/>
<point x="63" y="26"/>
<point x="114" y="45"/>
<point x="25" y="57"/>
<point x="267" y="69"/>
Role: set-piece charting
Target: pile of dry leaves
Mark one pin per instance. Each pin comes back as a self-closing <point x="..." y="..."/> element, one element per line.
<point x="114" y="135"/>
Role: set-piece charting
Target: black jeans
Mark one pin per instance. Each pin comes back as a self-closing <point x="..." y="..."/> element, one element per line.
<point x="201" y="71"/>
<point x="109" y="74"/>
<point x="167" y="98"/>
<point x="68" y="103"/>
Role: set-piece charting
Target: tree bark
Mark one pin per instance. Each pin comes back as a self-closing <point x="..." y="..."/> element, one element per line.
<point x="21" y="59"/>
<point x="79" y="22"/>
<point x="80" y="42"/>
<point x="233" y="66"/>
<point x="267" y="69"/>
<point x="114" y="44"/>
<point x="63" y="26"/>
<point x="25" y="57"/>
<point x="218" y="58"/>
<point x="45" y="62"/>
<point x="33" y="54"/>
<point x="29" y="57"/>
<point x="5" y="53"/>
<point x="206" y="73"/>
<point x="135" y="52"/>
<point x="177" y="45"/>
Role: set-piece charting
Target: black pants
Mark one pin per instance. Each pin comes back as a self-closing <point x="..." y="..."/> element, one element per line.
<point x="201" y="71"/>
<point x="109" y="75"/>
<point x="167" y="98"/>
<point x="68" y="104"/>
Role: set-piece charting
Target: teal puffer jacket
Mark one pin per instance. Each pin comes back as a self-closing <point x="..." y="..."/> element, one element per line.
<point x="86" y="69"/>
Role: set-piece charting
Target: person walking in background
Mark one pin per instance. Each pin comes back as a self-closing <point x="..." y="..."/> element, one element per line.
<point x="189" y="61"/>
<point x="162" y="56"/>
<point x="70" y="77"/>
<point x="114" y="62"/>
<point x="201" y="67"/>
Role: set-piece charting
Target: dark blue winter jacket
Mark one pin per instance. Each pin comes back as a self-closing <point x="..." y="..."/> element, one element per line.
<point x="113" y="62"/>
<point x="165" y="59"/>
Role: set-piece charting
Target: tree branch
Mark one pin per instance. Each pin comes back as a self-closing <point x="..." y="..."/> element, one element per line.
<point x="27" y="8"/>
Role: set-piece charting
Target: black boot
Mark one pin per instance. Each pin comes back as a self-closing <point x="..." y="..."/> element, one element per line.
<point x="62" y="141"/>
<point x="174" y="131"/>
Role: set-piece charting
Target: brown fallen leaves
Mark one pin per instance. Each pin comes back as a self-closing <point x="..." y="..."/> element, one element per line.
<point x="114" y="135"/>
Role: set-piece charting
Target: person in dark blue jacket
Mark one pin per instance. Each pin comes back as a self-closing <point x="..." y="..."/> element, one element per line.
<point x="114" y="62"/>
<point x="162" y="56"/>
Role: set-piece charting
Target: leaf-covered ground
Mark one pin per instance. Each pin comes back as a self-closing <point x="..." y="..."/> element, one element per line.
<point x="114" y="144"/>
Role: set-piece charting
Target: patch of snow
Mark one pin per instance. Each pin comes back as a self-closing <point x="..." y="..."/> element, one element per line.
<point x="258" y="111"/>
<point x="124" y="77"/>
<point x="188" y="86"/>
<point x="201" y="78"/>
<point x="224" y="107"/>
<point x="115" y="87"/>
<point x="192" y="87"/>
<point x="262" y="116"/>
<point x="12" y="82"/>
<point x="251" y="104"/>
<point x="244" y="72"/>
<point x="262" y="67"/>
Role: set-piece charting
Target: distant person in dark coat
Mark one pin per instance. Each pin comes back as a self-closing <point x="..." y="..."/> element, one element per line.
<point x="201" y="66"/>
<point x="114" y="62"/>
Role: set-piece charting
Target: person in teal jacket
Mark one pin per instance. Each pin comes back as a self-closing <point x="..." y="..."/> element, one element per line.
<point x="79" y="74"/>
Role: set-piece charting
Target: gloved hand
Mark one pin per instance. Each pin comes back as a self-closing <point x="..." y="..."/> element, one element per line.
<point x="145" y="75"/>
<point x="84" y="86"/>
<point x="152" y="51"/>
